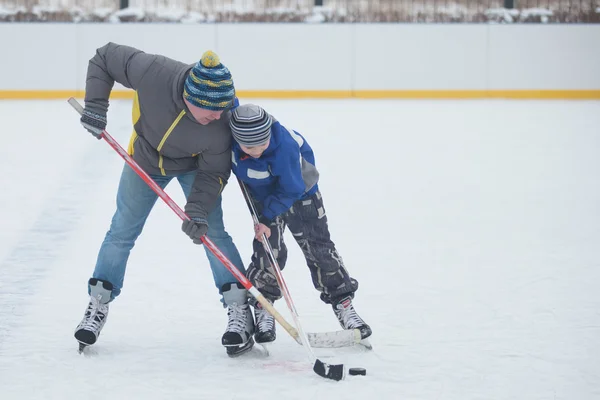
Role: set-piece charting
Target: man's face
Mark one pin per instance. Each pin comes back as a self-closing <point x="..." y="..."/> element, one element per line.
<point x="202" y="115"/>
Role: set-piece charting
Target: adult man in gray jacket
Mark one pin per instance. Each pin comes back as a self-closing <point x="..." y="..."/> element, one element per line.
<point x="181" y="130"/>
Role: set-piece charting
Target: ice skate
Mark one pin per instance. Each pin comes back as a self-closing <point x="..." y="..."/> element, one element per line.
<point x="238" y="336"/>
<point x="265" y="325"/>
<point x="95" y="316"/>
<point x="349" y="319"/>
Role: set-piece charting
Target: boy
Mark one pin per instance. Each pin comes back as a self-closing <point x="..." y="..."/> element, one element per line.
<point x="278" y="167"/>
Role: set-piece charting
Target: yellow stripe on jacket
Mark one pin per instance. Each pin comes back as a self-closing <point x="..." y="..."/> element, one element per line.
<point x="164" y="139"/>
<point x="135" y="117"/>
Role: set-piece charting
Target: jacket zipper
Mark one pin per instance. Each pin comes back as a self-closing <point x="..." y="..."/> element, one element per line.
<point x="164" y="139"/>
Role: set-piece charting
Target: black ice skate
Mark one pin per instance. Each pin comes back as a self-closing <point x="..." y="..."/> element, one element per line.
<point x="265" y="325"/>
<point x="238" y="337"/>
<point x="93" y="321"/>
<point x="349" y="319"/>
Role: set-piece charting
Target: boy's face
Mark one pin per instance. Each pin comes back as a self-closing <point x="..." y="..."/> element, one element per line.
<point x="255" y="151"/>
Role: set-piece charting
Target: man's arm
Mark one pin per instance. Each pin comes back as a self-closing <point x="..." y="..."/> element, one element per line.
<point x="211" y="178"/>
<point x="113" y="63"/>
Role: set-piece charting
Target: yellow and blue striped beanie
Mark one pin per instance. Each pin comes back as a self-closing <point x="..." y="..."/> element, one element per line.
<point x="209" y="84"/>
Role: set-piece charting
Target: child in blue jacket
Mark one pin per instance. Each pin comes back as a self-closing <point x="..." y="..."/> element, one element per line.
<point x="278" y="167"/>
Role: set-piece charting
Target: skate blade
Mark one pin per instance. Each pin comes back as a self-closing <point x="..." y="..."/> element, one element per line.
<point x="365" y="343"/>
<point x="82" y="347"/>
<point x="236" y="351"/>
<point x="265" y="347"/>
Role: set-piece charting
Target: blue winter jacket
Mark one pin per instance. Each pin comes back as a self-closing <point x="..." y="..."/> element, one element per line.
<point x="282" y="175"/>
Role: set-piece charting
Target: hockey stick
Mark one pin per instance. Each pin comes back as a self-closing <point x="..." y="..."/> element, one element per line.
<point x="335" y="371"/>
<point x="323" y="369"/>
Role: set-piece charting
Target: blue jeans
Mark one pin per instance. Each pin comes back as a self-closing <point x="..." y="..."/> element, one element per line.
<point x="135" y="200"/>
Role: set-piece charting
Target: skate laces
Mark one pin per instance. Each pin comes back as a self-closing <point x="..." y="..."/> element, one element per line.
<point x="264" y="320"/>
<point x="237" y="318"/>
<point x="347" y="315"/>
<point x="94" y="315"/>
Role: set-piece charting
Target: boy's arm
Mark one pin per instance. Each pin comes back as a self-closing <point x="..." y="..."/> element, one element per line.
<point x="290" y="185"/>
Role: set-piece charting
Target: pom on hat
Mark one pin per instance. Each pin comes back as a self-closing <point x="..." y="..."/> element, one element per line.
<point x="250" y="125"/>
<point x="210" y="59"/>
<point x="209" y="84"/>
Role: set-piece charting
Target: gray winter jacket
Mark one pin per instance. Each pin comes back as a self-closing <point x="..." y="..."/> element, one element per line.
<point x="167" y="140"/>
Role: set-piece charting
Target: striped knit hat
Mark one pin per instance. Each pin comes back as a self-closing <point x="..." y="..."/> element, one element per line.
<point x="209" y="84"/>
<point x="250" y="125"/>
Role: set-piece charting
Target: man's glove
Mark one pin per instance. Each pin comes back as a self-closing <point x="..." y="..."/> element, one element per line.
<point x="93" y="122"/>
<point x="195" y="229"/>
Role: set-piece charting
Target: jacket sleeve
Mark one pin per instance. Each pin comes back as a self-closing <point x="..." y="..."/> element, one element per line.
<point x="114" y="63"/>
<point x="290" y="184"/>
<point x="211" y="178"/>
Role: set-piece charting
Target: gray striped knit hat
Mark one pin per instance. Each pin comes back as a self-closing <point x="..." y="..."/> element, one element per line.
<point x="250" y="125"/>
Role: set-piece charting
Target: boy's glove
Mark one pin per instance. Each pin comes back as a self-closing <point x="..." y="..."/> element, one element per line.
<point x="93" y="122"/>
<point x="195" y="229"/>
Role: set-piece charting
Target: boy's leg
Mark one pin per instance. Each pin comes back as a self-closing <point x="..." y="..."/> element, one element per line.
<point x="261" y="274"/>
<point x="135" y="200"/>
<point x="260" y="271"/>
<point x="307" y="221"/>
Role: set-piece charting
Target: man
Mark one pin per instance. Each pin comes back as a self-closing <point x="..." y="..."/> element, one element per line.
<point x="180" y="119"/>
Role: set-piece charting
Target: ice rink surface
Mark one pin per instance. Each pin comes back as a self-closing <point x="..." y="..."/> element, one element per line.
<point x="473" y="228"/>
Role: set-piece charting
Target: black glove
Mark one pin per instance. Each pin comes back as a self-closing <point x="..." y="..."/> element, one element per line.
<point x="195" y="229"/>
<point x="93" y="122"/>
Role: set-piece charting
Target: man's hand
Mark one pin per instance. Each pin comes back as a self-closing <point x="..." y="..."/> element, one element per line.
<point x="259" y="230"/>
<point x="195" y="229"/>
<point x="93" y="122"/>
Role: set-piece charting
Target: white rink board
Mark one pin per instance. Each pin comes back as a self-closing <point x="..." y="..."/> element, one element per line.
<point x="420" y="57"/>
<point x="288" y="56"/>
<point x="322" y="57"/>
<point x="534" y="57"/>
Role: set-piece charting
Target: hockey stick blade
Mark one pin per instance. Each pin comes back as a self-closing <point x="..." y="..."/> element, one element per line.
<point x="334" y="371"/>
<point x="345" y="338"/>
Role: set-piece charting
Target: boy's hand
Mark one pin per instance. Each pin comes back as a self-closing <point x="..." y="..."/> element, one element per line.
<point x="259" y="230"/>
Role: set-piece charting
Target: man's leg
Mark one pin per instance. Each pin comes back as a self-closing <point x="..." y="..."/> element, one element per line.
<point x="219" y="236"/>
<point x="237" y="338"/>
<point x="135" y="200"/>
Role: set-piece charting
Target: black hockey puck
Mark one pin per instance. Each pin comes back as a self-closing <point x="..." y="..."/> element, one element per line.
<point x="357" y="371"/>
